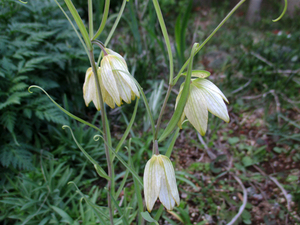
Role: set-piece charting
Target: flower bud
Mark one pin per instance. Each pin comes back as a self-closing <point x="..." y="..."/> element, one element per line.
<point x="160" y="182"/>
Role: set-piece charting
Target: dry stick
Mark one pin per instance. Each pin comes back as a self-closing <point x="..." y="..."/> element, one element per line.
<point x="241" y="88"/>
<point x="244" y="201"/>
<point x="283" y="72"/>
<point x="209" y="153"/>
<point x="278" y="184"/>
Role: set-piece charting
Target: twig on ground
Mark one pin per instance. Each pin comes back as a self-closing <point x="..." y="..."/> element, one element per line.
<point x="201" y="157"/>
<point x="257" y="56"/>
<point x="244" y="201"/>
<point x="241" y="88"/>
<point x="277" y="104"/>
<point x="209" y="153"/>
<point x="283" y="191"/>
<point x="278" y="184"/>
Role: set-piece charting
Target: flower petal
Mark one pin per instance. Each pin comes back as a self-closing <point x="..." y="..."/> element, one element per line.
<point x="111" y="52"/>
<point x="165" y="195"/>
<point x="108" y="80"/>
<point x="90" y="90"/>
<point x="215" y="104"/>
<point x="106" y="96"/>
<point x="196" y="109"/>
<point x="209" y="85"/>
<point x="152" y="182"/>
<point x="170" y="177"/>
<point x="121" y="70"/>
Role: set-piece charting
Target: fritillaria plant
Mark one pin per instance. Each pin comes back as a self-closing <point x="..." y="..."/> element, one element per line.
<point x="108" y="81"/>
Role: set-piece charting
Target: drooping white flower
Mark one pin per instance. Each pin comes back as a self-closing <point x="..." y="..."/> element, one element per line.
<point x="204" y="96"/>
<point x="90" y="92"/>
<point x="115" y="81"/>
<point x="116" y="78"/>
<point x="160" y="182"/>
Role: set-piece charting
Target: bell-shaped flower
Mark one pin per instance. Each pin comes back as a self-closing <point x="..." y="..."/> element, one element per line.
<point x="160" y="182"/>
<point x="90" y="92"/>
<point x="116" y="78"/>
<point x="204" y="96"/>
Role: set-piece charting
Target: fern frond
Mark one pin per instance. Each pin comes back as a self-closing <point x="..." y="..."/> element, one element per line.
<point x="18" y="157"/>
<point x="8" y="120"/>
<point x="14" y="98"/>
<point x="35" y="63"/>
<point x="18" y="87"/>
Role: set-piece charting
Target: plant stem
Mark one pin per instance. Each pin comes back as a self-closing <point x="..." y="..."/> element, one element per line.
<point x="91" y="27"/>
<point x="162" y="110"/>
<point x="104" y="18"/>
<point x="207" y="39"/>
<point x="103" y="115"/>
<point x="113" y="28"/>
<point x="166" y="37"/>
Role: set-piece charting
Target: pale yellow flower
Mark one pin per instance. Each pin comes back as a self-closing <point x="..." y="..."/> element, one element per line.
<point x="116" y="78"/>
<point x="204" y="96"/>
<point x="115" y="82"/>
<point x="90" y="92"/>
<point x="160" y="182"/>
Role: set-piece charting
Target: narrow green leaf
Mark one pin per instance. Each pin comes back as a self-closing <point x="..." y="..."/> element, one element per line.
<point x="63" y="214"/>
<point x="96" y="138"/>
<point x="283" y="12"/>
<point x="119" y="209"/>
<point x="148" y="217"/>
<point x="73" y="26"/>
<point x="181" y="103"/>
<point x="171" y="145"/>
<point x="186" y="181"/>
<point x="122" y="184"/>
<point x="198" y="73"/>
<point x="112" y="29"/>
<point x="79" y="23"/>
<point x="128" y="128"/>
<point x="65" y="111"/>
<point x="98" y="168"/>
<point x="104" y="18"/>
<point x="97" y="210"/>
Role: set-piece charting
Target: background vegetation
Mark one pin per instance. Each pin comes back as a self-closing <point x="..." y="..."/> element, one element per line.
<point x="256" y="66"/>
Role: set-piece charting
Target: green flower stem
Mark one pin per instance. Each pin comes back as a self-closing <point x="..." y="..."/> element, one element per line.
<point x="207" y="39"/>
<point x="104" y="19"/>
<point x="144" y="99"/>
<point x="107" y="153"/>
<point x="166" y="36"/>
<point x="147" y="106"/>
<point x="162" y="110"/>
<point x="90" y="9"/>
<point x="113" y="28"/>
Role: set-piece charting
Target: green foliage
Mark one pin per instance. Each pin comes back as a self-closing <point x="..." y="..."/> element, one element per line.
<point x="38" y="52"/>
<point x="43" y="196"/>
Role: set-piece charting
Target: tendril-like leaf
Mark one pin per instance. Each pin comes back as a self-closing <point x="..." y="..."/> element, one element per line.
<point x="283" y="12"/>
<point x="98" y="168"/>
<point x="65" y="111"/>
<point x="97" y="137"/>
